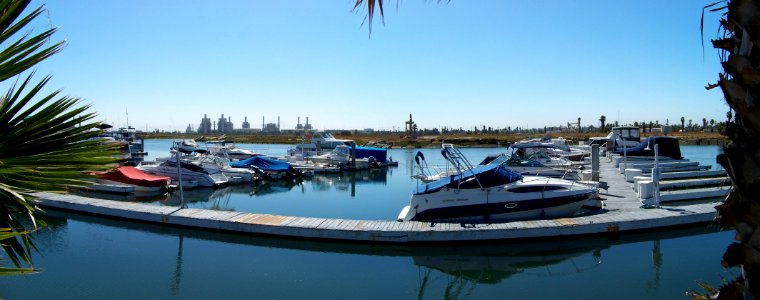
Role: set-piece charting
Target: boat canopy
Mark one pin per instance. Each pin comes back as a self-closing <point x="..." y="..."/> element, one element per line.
<point x="131" y="175"/>
<point x="263" y="163"/>
<point x="380" y="154"/>
<point x="479" y="177"/>
<point x="668" y="147"/>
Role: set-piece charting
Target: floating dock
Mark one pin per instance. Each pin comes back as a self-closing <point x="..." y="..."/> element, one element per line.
<point x="622" y="212"/>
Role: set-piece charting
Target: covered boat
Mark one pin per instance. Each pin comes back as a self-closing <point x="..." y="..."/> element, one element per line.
<point x="271" y="168"/>
<point x="131" y="176"/>
<point x="668" y="147"/>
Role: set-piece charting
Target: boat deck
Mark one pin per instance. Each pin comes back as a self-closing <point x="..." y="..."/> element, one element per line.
<point x="622" y="212"/>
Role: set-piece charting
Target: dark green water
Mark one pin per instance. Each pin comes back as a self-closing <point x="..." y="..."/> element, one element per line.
<point x="86" y="257"/>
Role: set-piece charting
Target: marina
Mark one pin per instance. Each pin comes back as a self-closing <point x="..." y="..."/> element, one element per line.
<point x="175" y="165"/>
<point x="621" y="212"/>
<point x="166" y="260"/>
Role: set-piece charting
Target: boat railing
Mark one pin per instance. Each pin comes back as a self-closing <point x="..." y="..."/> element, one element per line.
<point x="459" y="161"/>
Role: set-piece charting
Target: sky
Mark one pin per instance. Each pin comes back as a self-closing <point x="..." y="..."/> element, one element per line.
<point x="165" y="64"/>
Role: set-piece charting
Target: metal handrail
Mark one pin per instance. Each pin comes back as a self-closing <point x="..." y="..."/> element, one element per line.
<point x="459" y="161"/>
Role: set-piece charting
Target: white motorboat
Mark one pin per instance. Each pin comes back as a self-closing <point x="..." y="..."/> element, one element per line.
<point x="228" y="150"/>
<point x="619" y="139"/>
<point x="190" y="171"/>
<point x="491" y="193"/>
<point x="341" y="156"/>
<point x="133" y="151"/>
<point x="537" y="165"/>
<point x="211" y="161"/>
<point x="321" y="142"/>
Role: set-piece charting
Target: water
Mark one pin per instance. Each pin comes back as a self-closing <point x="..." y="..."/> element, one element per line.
<point x="85" y="257"/>
<point x="367" y="195"/>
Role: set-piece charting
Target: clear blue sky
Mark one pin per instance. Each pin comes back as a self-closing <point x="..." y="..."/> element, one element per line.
<point x="461" y="64"/>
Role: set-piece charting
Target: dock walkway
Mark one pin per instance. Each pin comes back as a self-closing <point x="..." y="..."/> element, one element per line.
<point x="621" y="213"/>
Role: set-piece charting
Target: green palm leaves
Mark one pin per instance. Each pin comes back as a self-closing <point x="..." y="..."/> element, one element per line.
<point x="46" y="141"/>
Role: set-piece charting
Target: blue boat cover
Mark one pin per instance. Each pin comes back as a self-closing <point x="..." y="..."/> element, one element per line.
<point x="263" y="163"/>
<point x="380" y="154"/>
<point x="668" y="147"/>
<point x="482" y="176"/>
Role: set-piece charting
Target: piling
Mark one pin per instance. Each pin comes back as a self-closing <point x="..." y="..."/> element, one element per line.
<point x="595" y="162"/>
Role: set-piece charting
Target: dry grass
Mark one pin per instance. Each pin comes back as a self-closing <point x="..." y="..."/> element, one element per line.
<point x="462" y="140"/>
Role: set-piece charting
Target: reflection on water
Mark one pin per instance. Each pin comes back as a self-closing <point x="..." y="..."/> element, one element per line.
<point x="452" y="272"/>
<point x="241" y="196"/>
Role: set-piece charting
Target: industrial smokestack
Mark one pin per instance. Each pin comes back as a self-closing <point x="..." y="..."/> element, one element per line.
<point x="278" y="122"/>
<point x="262" y="123"/>
<point x="299" y="120"/>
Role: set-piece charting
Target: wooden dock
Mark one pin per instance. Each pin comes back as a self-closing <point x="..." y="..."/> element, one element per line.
<point x="621" y="213"/>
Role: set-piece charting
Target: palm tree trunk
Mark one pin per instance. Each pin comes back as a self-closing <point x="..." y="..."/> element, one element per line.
<point x="741" y="158"/>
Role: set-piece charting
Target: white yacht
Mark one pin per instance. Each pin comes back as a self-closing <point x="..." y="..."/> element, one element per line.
<point x="321" y="142"/>
<point x="204" y="177"/>
<point x="492" y="192"/>
<point x="211" y="161"/>
<point x="341" y="156"/>
<point x="229" y="150"/>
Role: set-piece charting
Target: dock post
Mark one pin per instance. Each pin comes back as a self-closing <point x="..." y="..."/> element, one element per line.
<point x="594" y="162"/>
<point x="179" y="180"/>
<point x="656" y="176"/>
<point x="353" y="154"/>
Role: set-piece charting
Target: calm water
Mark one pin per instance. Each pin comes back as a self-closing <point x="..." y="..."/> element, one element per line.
<point x="368" y="195"/>
<point x="86" y="257"/>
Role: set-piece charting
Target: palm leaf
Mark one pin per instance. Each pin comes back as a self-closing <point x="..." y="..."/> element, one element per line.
<point x="17" y="271"/>
<point x="43" y="147"/>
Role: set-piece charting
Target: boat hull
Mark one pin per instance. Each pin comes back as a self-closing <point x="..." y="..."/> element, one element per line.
<point x="532" y="198"/>
<point x="203" y="179"/>
<point x="506" y="210"/>
<point x="137" y="188"/>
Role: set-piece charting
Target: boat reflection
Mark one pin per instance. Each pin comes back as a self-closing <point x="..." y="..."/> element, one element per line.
<point x="448" y="271"/>
<point x="216" y="197"/>
<point x="347" y="181"/>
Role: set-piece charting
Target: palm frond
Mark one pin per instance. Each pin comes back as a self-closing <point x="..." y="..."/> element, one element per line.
<point x="46" y="141"/>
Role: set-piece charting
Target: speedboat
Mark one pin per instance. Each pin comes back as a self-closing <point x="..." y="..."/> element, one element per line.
<point x="269" y="168"/>
<point x="133" y="152"/>
<point x="555" y="148"/>
<point x="491" y="193"/>
<point x="228" y="150"/>
<point x="204" y="177"/>
<point x="341" y="156"/>
<point x="212" y="162"/>
<point x="321" y="142"/>
<point x="536" y="166"/>
<point x="138" y="180"/>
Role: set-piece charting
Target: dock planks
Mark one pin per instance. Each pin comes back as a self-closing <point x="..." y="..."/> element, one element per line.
<point x="621" y="213"/>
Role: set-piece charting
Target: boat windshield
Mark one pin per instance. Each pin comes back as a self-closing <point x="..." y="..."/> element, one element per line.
<point x="628" y="133"/>
<point x="325" y="135"/>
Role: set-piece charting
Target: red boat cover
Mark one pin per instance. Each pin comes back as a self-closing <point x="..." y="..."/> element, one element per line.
<point x="131" y="175"/>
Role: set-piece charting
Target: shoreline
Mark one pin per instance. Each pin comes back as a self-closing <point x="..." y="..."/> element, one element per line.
<point x="395" y="140"/>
